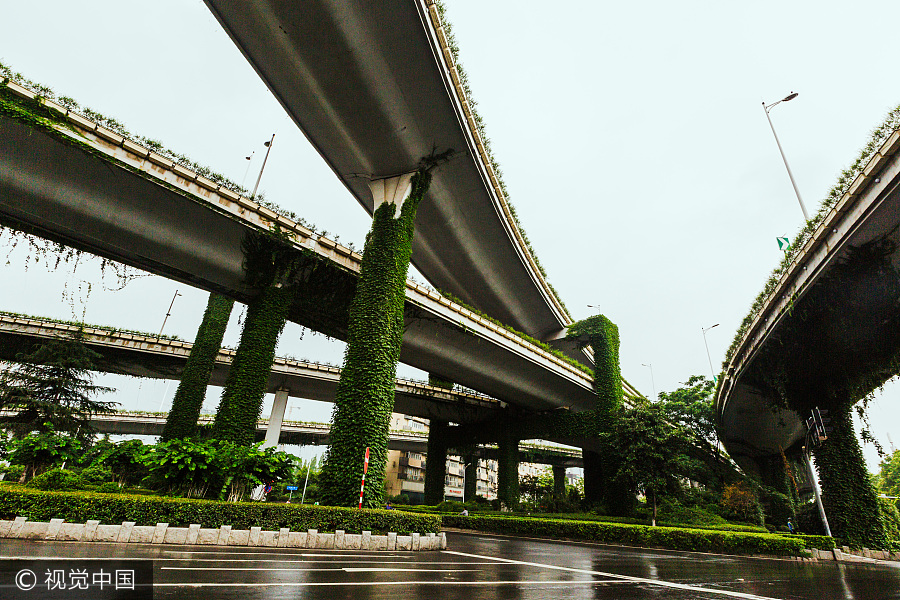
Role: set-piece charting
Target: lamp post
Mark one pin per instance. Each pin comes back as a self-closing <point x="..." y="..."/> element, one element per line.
<point x="652" y="381"/>
<point x="262" y="168"/>
<point x="705" y="329"/>
<point x="767" y="108"/>
<point x="168" y="314"/>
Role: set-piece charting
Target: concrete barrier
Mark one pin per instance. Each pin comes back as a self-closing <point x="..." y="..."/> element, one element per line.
<point x="161" y="533"/>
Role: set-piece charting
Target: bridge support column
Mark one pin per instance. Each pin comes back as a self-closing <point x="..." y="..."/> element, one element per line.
<point x="276" y="418"/>
<point x="365" y="394"/>
<point x="181" y="421"/>
<point x="508" y="468"/>
<point x="559" y="481"/>
<point x="436" y="462"/>
<point x="273" y="268"/>
<point x="850" y="501"/>
<point x="470" y="488"/>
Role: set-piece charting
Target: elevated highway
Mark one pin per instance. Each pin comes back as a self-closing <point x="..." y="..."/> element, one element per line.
<point x="375" y="88"/>
<point x="162" y="358"/>
<point x="317" y="434"/>
<point x="831" y="323"/>
<point x="78" y="183"/>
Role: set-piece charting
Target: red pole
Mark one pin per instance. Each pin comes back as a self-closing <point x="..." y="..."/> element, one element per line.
<point x="362" y="487"/>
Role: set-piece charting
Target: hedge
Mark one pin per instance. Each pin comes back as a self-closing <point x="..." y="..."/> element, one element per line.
<point x="79" y="507"/>
<point x="698" y="540"/>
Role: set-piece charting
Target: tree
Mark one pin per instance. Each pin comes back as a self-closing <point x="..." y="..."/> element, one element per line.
<point x="50" y="389"/>
<point x="692" y="407"/>
<point x="651" y="451"/>
<point x="888" y="479"/>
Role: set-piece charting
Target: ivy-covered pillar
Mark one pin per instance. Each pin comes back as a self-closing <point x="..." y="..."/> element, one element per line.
<point x="272" y="267"/>
<point x="470" y="489"/>
<point x="850" y="501"/>
<point x="181" y="421"/>
<point x="602" y="465"/>
<point x="559" y="481"/>
<point x="245" y="386"/>
<point x="436" y="462"/>
<point x="508" y="468"/>
<point x="365" y="393"/>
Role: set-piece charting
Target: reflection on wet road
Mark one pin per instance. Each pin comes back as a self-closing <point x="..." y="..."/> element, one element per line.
<point x="488" y="567"/>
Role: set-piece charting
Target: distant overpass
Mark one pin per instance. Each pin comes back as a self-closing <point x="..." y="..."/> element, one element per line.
<point x="162" y="358"/>
<point x="83" y="185"/>
<point x="318" y="434"/>
<point x="819" y="331"/>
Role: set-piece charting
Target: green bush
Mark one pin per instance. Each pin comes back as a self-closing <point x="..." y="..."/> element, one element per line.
<point x="57" y="479"/>
<point x="676" y="514"/>
<point x="699" y="540"/>
<point x="12" y="472"/>
<point x="96" y="475"/>
<point x="79" y="507"/>
<point x="109" y="487"/>
<point x="740" y="503"/>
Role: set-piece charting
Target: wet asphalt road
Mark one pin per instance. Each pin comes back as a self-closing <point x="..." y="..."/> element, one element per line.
<point x="480" y="567"/>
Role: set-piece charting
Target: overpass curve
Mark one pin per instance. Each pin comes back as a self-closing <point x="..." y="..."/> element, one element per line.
<point x="80" y="184"/>
<point x="374" y="87"/>
<point x="818" y="329"/>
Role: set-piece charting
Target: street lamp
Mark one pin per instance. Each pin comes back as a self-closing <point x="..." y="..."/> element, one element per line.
<point x="262" y="168"/>
<point x="767" y="108"/>
<point x="705" y="329"/>
<point x="652" y="381"/>
<point x="168" y="314"/>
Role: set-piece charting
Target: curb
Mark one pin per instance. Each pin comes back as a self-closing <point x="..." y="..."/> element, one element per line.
<point x="92" y="531"/>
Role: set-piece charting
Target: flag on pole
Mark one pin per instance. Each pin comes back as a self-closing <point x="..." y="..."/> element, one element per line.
<point x="783" y="243"/>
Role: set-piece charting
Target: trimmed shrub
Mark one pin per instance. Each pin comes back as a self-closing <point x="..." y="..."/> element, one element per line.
<point x="57" y="479"/>
<point x="79" y="507"/>
<point x="698" y="540"/>
<point x="12" y="472"/>
<point x="109" y="487"/>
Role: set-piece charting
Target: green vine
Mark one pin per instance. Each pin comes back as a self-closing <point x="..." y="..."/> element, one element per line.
<point x="365" y="393"/>
<point x="272" y="267"/>
<point x="181" y="421"/>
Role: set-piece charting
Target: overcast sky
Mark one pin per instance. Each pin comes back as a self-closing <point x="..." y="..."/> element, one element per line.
<point x="631" y="136"/>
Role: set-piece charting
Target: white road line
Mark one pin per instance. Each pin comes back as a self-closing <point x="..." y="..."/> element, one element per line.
<point x="338" y="562"/>
<point x="670" y="584"/>
<point x="563" y="584"/>
<point x="342" y="569"/>
<point x="275" y="553"/>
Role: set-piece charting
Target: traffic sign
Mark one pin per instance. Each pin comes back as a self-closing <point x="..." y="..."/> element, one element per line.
<point x="291" y="488"/>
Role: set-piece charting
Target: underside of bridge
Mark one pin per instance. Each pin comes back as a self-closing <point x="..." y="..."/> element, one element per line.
<point x="838" y="342"/>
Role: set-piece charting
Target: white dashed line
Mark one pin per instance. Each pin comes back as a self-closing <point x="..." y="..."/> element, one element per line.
<point x="669" y="584"/>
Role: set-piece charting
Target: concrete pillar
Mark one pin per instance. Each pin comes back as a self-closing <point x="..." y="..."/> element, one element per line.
<point x="559" y="481"/>
<point x="273" y="431"/>
<point x="471" y="462"/>
<point x="508" y="468"/>
<point x="436" y="462"/>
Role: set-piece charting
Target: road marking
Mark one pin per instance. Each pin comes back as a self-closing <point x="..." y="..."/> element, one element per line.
<point x="276" y="553"/>
<point x="380" y="562"/>
<point x="342" y="569"/>
<point x="679" y="586"/>
<point x="562" y="584"/>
